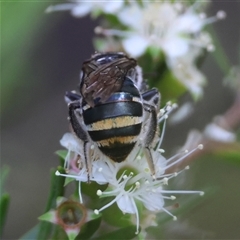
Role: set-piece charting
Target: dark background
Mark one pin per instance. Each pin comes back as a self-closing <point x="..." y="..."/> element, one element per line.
<point x="41" y="59"/>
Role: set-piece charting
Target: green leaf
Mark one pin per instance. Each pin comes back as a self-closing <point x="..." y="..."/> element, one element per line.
<point x="68" y="180"/>
<point x="89" y="229"/>
<point x="5" y="198"/>
<point x="123" y="233"/>
<point x="230" y="156"/>
<point x="90" y="189"/>
<point x="227" y="152"/>
<point x="56" y="190"/>
<point x="3" y="177"/>
<point x="4" y="205"/>
<point x="31" y="234"/>
<point x="118" y="219"/>
<point x="169" y="87"/>
<point x="61" y="153"/>
<point x="158" y="75"/>
<point x="48" y="216"/>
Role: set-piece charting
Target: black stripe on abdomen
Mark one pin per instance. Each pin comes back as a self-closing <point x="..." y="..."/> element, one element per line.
<point x="99" y="135"/>
<point x="112" y="110"/>
<point x="118" y="152"/>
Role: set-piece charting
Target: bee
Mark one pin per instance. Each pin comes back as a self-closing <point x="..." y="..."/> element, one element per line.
<point x="113" y="108"/>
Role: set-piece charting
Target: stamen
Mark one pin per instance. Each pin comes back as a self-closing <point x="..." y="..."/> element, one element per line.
<point x="219" y="16"/>
<point x="110" y="203"/>
<point x="166" y="211"/>
<point x="161" y="150"/>
<point x="174" y="156"/>
<point x="99" y="192"/>
<point x="175" y="105"/>
<point x="202" y="15"/>
<point x="167" y="110"/>
<point x="200" y="146"/>
<point x="96" y="211"/>
<point x="80" y="192"/>
<point x="139" y="157"/>
<point x="76" y="177"/>
<point x="181" y="158"/>
<point x="201" y="193"/>
<point x="137" y="184"/>
<point x="137" y="215"/>
<point x="172" y="197"/>
<point x="210" y="48"/>
<point x="162" y="111"/>
<point x="165" y="181"/>
<point x="136" y="178"/>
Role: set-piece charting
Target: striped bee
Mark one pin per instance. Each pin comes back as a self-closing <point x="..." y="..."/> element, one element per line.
<point x="113" y="108"/>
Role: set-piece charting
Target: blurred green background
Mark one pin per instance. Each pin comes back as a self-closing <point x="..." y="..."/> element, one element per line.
<point x="41" y="57"/>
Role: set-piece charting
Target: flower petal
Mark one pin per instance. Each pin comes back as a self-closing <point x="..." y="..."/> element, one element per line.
<point x="135" y="45"/>
<point x="153" y="201"/>
<point x="82" y="9"/>
<point x="125" y="204"/>
<point x="112" y="6"/>
<point x="70" y="142"/>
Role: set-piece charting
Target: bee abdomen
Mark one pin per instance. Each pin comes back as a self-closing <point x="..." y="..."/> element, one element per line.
<point x="118" y="133"/>
<point x="112" y="110"/>
<point x="115" y="127"/>
<point x="118" y="152"/>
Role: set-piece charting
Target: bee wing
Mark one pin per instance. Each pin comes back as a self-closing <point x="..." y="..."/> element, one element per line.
<point x="105" y="79"/>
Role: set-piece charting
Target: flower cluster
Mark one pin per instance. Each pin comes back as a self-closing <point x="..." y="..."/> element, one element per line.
<point x="130" y="182"/>
<point x="173" y="28"/>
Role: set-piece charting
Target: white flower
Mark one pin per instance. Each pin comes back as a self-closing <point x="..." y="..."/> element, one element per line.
<point x="80" y="8"/>
<point x="182" y="113"/>
<point x="171" y="27"/>
<point x="130" y="182"/>
<point x="128" y="188"/>
<point x="185" y="70"/>
<point x="215" y="132"/>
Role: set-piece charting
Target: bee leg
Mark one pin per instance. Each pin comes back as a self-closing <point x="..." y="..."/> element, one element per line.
<point x="152" y="97"/>
<point x="86" y="149"/>
<point x="71" y="96"/>
<point x="150" y="133"/>
<point x="150" y="105"/>
<point x="75" y="119"/>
